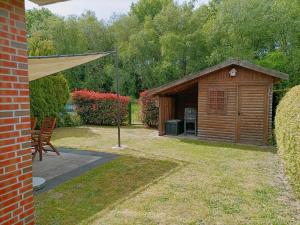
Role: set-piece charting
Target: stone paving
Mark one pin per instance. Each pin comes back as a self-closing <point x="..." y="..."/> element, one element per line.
<point x="69" y="164"/>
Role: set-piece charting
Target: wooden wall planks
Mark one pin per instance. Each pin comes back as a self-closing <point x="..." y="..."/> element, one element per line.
<point x="248" y="113"/>
<point x="166" y="112"/>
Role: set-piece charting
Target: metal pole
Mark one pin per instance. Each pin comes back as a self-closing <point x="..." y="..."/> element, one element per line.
<point x="118" y="96"/>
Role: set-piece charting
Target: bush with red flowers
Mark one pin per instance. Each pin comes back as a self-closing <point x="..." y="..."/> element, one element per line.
<point x="100" y="108"/>
<point x="150" y="110"/>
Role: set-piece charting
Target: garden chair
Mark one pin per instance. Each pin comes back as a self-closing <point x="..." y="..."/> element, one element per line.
<point x="34" y="146"/>
<point x="43" y="137"/>
<point x="33" y="121"/>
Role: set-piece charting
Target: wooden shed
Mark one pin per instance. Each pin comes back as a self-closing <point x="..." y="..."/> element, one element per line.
<point x="233" y="101"/>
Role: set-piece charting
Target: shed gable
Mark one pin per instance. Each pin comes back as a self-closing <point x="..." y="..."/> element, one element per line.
<point x="189" y="80"/>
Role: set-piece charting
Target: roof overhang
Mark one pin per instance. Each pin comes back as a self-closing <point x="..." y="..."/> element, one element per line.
<point x="46" y="2"/>
<point x="189" y="79"/>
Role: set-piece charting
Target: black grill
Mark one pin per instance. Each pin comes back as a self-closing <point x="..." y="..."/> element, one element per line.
<point x="190" y="121"/>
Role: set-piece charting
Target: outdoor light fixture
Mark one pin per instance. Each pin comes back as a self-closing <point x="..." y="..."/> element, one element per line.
<point x="233" y="72"/>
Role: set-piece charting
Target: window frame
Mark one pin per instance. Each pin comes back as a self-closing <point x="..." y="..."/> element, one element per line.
<point x="216" y="110"/>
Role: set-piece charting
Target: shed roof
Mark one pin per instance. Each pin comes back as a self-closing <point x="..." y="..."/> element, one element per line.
<point x="222" y="65"/>
<point x="47" y="2"/>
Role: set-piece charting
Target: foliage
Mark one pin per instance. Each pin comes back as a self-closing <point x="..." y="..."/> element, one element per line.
<point x="49" y="34"/>
<point x="48" y="96"/>
<point x="161" y="41"/>
<point x="100" y="108"/>
<point x="69" y="119"/>
<point x="148" y="8"/>
<point x="150" y="110"/>
<point x="287" y="126"/>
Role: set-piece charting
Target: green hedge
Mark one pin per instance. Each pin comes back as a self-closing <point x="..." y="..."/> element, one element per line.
<point x="48" y="96"/>
<point x="287" y="130"/>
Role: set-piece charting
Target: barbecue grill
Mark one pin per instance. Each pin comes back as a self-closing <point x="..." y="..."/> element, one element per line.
<point x="190" y="121"/>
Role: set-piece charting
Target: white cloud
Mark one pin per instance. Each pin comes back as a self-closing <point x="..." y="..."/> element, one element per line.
<point x="104" y="9"/>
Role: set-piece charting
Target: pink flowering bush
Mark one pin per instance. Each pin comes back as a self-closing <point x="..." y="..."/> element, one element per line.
<point x="100" y="108"/>
<point x="150" y="110"/>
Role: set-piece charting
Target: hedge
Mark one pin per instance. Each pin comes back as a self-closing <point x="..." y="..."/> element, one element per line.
<point x="48" y="96"/>
<point x="287" y="130"/>
<point x="69" y="119"/>
<point x="97" y="108"/>
<point x="150" y="111"/>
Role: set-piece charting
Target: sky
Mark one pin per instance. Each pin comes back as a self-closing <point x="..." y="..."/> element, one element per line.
<point x="104" y="9"/>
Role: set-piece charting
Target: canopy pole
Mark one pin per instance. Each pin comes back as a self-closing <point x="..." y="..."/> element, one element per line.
<point x="118" y="95"/>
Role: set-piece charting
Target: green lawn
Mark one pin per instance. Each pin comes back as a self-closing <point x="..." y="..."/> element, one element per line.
<point x="215" y="183"/>
<point x="84" y="196"/>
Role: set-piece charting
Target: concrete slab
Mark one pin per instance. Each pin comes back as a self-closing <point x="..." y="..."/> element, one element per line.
<point x="38" y="183"/>
<point x="54" y="165"/>
<point x="71" y="163"/>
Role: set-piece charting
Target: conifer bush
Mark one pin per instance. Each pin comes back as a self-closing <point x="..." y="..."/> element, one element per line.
<point x="97" y="108"/>
<point x="287" y="130"/>
<point x="48" y="96"/>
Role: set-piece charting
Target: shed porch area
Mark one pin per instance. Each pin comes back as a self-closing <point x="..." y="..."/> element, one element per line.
<point x="173" y="104"/>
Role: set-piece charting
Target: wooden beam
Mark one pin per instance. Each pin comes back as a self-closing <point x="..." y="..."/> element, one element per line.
<point x="166" y="112"/>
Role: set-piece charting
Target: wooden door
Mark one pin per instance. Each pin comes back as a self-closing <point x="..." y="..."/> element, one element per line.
<point x="252" y="122"/>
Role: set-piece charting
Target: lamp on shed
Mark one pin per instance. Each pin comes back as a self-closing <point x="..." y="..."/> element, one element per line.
<point x="233" y="72"/>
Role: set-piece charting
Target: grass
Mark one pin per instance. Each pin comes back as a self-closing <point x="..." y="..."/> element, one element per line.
<point x="84" y="196"/>
<point x="217" y="183"/>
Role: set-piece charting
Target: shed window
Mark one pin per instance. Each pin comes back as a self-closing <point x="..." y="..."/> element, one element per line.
<point x="216" y="101"/>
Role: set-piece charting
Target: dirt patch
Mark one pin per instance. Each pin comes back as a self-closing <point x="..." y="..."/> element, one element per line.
<point x="287" y="195"/>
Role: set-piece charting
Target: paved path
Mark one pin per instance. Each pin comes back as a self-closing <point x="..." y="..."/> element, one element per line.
<point x="71" y="163"/>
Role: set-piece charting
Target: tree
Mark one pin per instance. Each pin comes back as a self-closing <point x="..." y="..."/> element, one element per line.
<point x="161" y="40"/>
<point x="48" y="96"/>
<point x="148" y="8"/>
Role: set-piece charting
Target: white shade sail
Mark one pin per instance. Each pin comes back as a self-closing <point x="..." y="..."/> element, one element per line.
<point x="47" y="2"/>
<point x="43" y="66"/>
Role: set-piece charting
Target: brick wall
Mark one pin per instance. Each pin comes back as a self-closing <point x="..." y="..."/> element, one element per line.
<point x="16" y="199"/>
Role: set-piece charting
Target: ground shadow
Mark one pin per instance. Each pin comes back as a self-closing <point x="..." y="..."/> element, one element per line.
<point x="127" y="127"/>
<point x="198" y="141"/>
<point x="81" y="131"/>
<point x="86" y="195"/>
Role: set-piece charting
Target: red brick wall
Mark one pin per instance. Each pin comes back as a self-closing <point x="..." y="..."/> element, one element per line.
<point x="16" y="199"/>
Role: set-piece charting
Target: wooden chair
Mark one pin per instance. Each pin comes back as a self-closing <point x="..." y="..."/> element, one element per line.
<point x="34" y="145"/>
<point x="43" y="137"/>
<point x="33" y="121"/>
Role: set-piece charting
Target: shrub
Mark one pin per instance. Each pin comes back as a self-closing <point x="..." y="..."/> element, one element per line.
<point x="100" y="108"/>
<point x="150" y="110"/>
<point x="287" y="130"/>
<point x="69" y="119"/>
<point x="48" y="96"/>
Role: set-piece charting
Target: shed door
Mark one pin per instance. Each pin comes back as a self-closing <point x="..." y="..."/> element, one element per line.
<point x="252" y="114"/>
